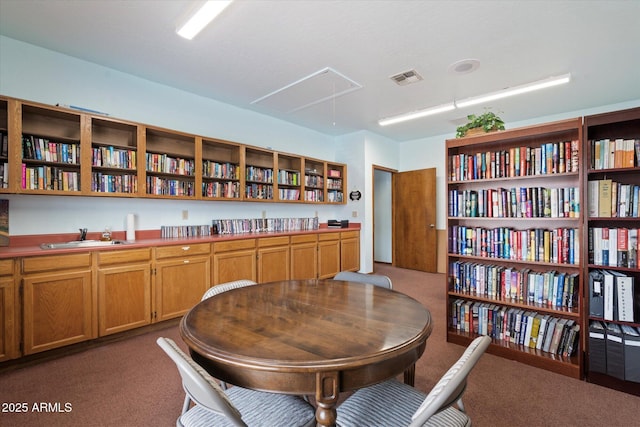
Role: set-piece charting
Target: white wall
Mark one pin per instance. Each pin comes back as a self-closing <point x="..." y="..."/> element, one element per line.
<point x="383" y="221"/>
<point x="36" y="74"/>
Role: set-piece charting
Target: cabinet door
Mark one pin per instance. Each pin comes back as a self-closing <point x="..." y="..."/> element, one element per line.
<point x="124" y="295"/>
<point x="328" y="258"/>
<point x="58" y="310"/>
<point x="8" y="348"/>
<point x="180" y="284"/>
<point x="234" y="265"/>
<point x="304" y="261"/>
<point x="273" y="264"/>
<point x="350" y="251"/>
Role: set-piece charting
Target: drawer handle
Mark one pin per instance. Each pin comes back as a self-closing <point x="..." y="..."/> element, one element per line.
<point x="186" y="248"/>
<point x="186" y="261"/>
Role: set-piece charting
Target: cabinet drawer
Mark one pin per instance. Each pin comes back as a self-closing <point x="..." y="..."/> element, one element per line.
<point x="124" y="256"/>
<point x="273" y="241"/>
<point x="349" y="234"/>
<point x="56" y="262"/>
<point x="305" y="238"/>
<point x="182" y="250"/>
<point x="6" y="267"/>
<point x="233" y="245"/>
<point x="328" y="236"/>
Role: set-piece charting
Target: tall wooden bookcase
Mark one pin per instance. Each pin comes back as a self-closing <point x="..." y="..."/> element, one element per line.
<point x="514" y="227"/>
<point x="612" y="179"/>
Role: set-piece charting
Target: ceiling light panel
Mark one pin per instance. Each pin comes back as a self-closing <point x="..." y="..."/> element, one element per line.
<point x="317" y="87"/>
<point x="202" y="18"/>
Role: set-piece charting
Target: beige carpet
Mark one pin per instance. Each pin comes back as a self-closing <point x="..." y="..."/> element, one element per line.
<point x="132" y="383"/>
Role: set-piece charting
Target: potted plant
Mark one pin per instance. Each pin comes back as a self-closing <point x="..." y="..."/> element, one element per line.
<point x="486" y="122"/>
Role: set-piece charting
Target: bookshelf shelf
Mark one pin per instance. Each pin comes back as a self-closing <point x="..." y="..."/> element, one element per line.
<point x="612" y="299"/>
<point x="105" y="156"/>
<point x="514" y="226"/>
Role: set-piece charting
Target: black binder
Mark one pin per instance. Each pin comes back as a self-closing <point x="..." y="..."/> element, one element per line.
<point x="597" y="348"/>
<point x="631" y="338"/>
<point x="596" y="294"/>
<point x="615" y="351"/>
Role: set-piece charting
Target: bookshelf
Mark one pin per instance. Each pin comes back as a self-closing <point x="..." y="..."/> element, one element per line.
<point x="260" y="165"/>
<point x="314" y="179"/>
<point x="612" y="181"/>
<point x="114" y="157"/>
<point x="336" y="183"/>
<point x="514" y="243"/>
<point x="56" y="150"/>
<point x="221" y="170"/>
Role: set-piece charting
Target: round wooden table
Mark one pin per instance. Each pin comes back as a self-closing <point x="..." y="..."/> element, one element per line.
<point x="308" y="337"/>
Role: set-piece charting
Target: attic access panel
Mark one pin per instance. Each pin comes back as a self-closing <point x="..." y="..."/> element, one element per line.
<point x="315" y="88"/>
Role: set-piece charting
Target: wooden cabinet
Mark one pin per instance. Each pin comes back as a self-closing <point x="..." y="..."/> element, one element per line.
<point x="514" y="264"/>
<point x="349" y="251"/>
<point x="304" y="257"/>
<point x="63" y="151"/>
<point x="58" y="301"/>
<point x="612" y="270"/>
<point x="124" y="290"/>
<point x="234" y="260"/>
<point x="8" y="307"/>
<point x="274" y="259"/>
<point x="328" y="255"/>
<point x="183" y="274"/>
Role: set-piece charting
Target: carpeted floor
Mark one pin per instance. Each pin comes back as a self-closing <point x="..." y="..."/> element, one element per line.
<point x="132" y="382"/>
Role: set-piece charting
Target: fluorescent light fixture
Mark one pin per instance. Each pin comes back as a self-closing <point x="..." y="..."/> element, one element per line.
<point x="529" y="87"/>
<point x="467" y="102"/>
<point x="202" y="18"/>
<point x="417" y="114"/>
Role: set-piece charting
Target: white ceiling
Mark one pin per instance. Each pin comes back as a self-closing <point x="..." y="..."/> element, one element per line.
<point x="257" y="47"/>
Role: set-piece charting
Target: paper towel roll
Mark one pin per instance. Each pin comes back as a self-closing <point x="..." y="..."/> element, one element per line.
<point x="131" y="227"/>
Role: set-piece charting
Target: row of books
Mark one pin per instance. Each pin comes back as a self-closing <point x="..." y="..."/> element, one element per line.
<point x="258" y="225"/>
<point x="314" y="195"/>
<point x="4" y="175"/>
<point x="4" y="144"/>
<point x="615" y="153"/>
<point x="169" y="187"/>
<point x="615" y="350"/>
<point x="166" y="164"/>
<point x="289" y="194"/>
<point x="608" y="199"/>
<point x="105" y="183"/>
<point x="259" y="191"/>
<point x="549" y="289"/>
<point x="258" y="174"/>
<point x="612" y="295"/>
<point x="313" y="181"/>
<point x="110" y="157"/>
<point x="551" y="334"/>
<point x="559" y="245"/>
<point x="49" y="178"/>
<point x="229" y="190"/>
<point x="334" y="184"/>
<point x="167" y="231"/>
<point x="36" y="148"/>
<point x="335" y="196"/>
<point x="613" y="247"/>
<point x="523" y="202"/>
<point x="549" y="158"/>
<point x="288" y="177"/>
<point x="220" y="170"/>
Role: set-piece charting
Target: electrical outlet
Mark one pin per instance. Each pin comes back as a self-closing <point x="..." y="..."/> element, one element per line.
<point x="354" y="214"/>
<point x="264" y="214"/>
<point x="185" y="214"/>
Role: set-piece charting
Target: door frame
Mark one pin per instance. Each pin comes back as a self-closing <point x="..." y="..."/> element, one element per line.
<point x="375" y="167"/>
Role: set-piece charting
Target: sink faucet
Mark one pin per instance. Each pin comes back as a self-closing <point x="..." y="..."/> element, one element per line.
<point x="83" y="234"/>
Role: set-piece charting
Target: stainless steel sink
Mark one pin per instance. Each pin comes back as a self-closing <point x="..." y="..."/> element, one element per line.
<point x="81" y="244"/>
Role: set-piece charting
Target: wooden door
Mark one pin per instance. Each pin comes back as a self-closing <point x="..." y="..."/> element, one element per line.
<point x="180" y="284"/>
<point x="7" y="325"/>
<point x="414" y="194"/>
<point x="124" y="295"/>
<point x="57" y="310"/>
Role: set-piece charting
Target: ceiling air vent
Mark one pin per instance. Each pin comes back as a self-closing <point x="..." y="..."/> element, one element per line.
<point x="407" y="77"/>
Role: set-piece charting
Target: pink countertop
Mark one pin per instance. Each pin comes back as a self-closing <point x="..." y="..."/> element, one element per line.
<point x="29" y="245"/>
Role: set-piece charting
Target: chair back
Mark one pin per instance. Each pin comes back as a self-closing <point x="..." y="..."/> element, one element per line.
<point x="223" y="287"/>
<point x="374" y="279"/>
<point x="200" y="387"/>
<point x="452" y="384"/>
